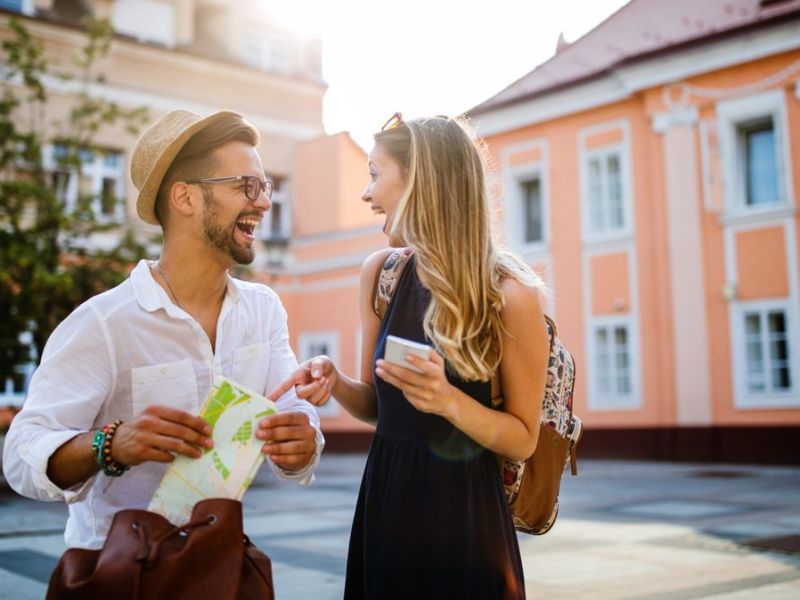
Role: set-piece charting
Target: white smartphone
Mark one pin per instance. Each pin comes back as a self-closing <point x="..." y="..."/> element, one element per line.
<point x="397" y="348"/>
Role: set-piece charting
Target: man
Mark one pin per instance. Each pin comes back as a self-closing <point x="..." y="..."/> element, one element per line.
<point x="147" y="351"/>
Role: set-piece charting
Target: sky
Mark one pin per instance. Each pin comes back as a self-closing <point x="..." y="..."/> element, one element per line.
<point x="426" y="57"/>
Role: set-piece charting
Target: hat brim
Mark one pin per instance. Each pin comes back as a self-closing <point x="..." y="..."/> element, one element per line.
<point x="146" y="202"/>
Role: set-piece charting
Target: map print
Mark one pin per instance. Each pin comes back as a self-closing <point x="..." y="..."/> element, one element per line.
<point x="227" y="469"/>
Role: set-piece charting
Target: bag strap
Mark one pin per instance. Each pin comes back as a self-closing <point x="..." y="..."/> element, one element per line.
<point x="387" y="278"/>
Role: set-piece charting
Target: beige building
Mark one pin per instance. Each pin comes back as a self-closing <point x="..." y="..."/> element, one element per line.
<point x="207" y="55"/>
<point x="202" y="55"/>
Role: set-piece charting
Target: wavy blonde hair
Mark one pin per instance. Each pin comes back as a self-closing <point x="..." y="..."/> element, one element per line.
<point x="444" y="215"/>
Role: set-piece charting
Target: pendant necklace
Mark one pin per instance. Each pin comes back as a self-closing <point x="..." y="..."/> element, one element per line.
<point x="169" y="284"/>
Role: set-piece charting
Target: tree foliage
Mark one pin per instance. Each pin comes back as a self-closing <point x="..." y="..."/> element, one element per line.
<point x="49" y="259"/>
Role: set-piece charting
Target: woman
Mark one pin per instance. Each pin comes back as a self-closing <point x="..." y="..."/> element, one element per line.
<point x="432" y="519"/>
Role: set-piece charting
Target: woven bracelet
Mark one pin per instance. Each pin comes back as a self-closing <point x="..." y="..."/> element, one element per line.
<point x="102" y="450"/>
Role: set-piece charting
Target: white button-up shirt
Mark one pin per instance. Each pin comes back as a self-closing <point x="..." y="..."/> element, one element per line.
<point x="122" y="351"/>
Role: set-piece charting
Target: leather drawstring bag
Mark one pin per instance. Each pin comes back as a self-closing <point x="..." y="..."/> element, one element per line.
<point x="147" y="557"/>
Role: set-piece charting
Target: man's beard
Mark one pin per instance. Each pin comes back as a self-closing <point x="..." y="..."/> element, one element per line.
<point x="220" y="238"/>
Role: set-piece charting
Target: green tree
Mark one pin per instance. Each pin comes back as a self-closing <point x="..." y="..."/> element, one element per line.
<point x="48" y="263"/>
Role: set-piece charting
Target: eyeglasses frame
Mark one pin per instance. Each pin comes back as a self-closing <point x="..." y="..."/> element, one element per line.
<point x="266" y="184"/>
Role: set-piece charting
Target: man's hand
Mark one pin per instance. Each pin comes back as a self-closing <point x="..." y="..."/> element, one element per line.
<point x="313" y="380"/>
<point x="158" y="434"/>
<point x="290" y="440"/>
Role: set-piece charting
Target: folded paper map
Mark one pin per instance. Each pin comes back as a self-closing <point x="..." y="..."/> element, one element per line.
<point x="227" y="469"/>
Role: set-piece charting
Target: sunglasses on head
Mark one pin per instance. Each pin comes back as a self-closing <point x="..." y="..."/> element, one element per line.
<point x="396" y="120"/>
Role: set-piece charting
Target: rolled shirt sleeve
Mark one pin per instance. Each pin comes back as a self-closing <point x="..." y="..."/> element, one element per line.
<point x="64" y="399"/>
<point x="282" y="364"/>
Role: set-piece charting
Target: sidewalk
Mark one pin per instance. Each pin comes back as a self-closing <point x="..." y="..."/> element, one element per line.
<point x="626" y="530"/>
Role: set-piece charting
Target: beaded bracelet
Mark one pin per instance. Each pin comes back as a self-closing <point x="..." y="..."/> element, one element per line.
<point x="102" y="450"/>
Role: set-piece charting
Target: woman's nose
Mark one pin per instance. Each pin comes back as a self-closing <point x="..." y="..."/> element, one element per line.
<point x="366" y="195"/>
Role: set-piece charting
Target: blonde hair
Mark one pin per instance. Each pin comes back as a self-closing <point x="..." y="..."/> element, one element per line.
<point x="444" y="215"/>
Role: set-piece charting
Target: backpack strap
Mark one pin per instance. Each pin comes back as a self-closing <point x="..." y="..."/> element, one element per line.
<point x="387" y="278"/>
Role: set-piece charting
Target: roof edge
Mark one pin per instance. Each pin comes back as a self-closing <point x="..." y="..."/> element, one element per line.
<point x="484" y="107"/>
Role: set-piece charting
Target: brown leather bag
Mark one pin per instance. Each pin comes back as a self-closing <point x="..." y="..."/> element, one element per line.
<point x="146" y="557"/>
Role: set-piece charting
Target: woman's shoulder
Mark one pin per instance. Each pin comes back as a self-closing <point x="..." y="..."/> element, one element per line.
<point x="520" y="300"/>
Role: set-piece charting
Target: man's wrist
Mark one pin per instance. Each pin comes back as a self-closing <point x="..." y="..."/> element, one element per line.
<point x="101" y="445"/>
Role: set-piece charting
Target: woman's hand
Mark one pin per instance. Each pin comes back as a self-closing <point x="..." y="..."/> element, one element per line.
<point x="428" y="391"/>
<point x="313" y="380"/>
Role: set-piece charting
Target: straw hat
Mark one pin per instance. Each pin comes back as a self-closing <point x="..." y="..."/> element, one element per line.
<point x="157" y="147"/>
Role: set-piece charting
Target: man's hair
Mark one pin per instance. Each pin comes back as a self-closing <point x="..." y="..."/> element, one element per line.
<point x="444" y="215"/>
<point x="196" y="159"/>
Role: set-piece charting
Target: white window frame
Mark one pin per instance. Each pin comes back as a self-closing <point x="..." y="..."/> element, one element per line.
<point x="515" y="176"/>
<point x="329" y="338"/>
<point x="623" y="150"/>
<point x="743" y="397"/>
<point x="613" y="401"/>
<point x="280" y="197"/>
<point x="270" y="51"/>
<point x="732" y="115"/>
<point x="147" y="21"/>
<point x="98" y="171"/>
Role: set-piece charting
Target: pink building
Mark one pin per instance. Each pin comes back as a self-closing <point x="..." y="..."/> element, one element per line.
<point x="650" y="171"/>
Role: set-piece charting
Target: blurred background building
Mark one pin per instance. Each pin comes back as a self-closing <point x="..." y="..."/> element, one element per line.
<point x="648" y="171"/>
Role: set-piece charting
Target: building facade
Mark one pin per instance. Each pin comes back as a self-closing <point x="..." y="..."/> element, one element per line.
<point x="202" y="55"/>
<point x="649" y="171"/>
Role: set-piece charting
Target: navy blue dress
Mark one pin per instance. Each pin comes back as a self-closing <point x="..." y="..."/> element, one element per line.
<point x="432" y="519"/>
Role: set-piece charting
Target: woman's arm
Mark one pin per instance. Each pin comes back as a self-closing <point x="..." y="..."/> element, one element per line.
<point x="514" y="431"/>
<point x="317" y="379"/>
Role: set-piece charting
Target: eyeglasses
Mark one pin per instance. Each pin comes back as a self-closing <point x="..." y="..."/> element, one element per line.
<point x="396" y="120"/>
<point x="253" y="186"/>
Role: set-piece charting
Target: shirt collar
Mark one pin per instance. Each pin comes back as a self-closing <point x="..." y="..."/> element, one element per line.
<point x="152" y="297"/>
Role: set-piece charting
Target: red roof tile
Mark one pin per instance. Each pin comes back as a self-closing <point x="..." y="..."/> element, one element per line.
<point x="638" y="29"/>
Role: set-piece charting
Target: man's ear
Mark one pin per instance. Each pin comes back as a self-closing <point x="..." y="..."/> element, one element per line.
<point x="182" y="199"/>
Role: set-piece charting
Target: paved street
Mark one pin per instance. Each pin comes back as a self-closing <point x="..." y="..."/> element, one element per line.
<point x="627" y="530"/>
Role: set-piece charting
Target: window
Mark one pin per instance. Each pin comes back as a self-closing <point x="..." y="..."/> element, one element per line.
<point x="766" y="345"/>
<point x="612" y="356"/>
<point x="754" y="153"/>
<point x="21" y="6"/>
<point x="267" y="51"/>
<point x="276" y="225"/>
<point x="613" y="365"/>
<point x="765" y="354"/>
<point x="532" y="215"/>
<point x="321" y="342"/>
<point x="760" y="168"/>
<point x="145" y="20"/>
<point x="605" y="201"/>
<point x="98" y="182"/>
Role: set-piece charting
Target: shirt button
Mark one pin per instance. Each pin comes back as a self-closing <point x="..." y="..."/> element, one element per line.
<point x="163" y="370"/>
